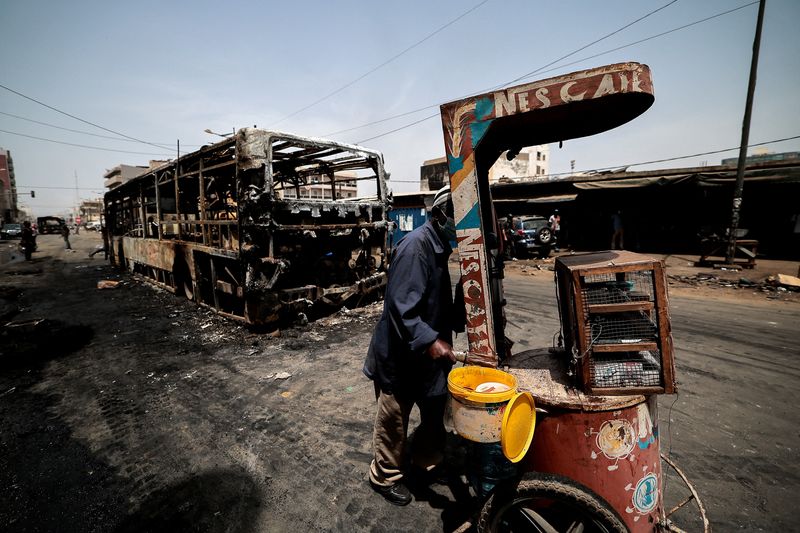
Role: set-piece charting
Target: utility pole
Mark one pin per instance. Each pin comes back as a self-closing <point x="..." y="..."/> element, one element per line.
<point x="77" y="200"/>
<point x="748" y="110"/>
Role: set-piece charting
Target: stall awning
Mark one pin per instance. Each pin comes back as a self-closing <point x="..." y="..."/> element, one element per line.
<point x="542" y="200"/>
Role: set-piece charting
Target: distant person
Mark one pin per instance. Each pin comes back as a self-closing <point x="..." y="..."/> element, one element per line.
<point x="555" y="225"/>
<point x="65" y="234"/>
<point x="28" y="240"/>
<point x="618" y="237"/>
<point x="77" y="229"/>
<point x="508" y="236"/>
<point x="104" y="249"/>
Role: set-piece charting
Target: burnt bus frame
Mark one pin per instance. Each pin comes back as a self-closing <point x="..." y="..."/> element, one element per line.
<point x="215" y="225"/>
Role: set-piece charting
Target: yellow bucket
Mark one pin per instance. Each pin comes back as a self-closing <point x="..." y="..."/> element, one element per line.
<point x="478" y="416"/>
<point x="485" y="414"/>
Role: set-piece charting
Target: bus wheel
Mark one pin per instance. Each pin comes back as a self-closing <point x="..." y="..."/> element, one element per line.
<point x="183" y="280"/>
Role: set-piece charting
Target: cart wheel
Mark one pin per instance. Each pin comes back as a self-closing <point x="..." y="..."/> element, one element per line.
<point x="549" y="504"/>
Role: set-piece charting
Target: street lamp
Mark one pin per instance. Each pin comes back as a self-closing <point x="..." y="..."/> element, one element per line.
<point x="223" y="135"/>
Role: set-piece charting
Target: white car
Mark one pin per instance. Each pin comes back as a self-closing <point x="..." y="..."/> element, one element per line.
<point x="92" y="226"/>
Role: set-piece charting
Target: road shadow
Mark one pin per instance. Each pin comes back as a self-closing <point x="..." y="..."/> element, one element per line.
<point x="29" y="343"/>
<point x="211" y="502"/>
<point x="461" y="504"/>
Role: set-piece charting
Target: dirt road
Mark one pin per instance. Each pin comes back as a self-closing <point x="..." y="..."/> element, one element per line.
<point x="130" y="409"/>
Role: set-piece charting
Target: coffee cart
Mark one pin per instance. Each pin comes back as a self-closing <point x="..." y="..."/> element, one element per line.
<point x="594" y="462"/>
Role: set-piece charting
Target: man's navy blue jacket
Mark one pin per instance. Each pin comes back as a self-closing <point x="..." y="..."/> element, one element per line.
<point x="417" y="310"/>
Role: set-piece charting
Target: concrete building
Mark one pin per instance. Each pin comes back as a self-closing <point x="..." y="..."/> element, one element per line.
<point x="8" y="188"/>
<point x="530" y="163"/>
<point x="90" y="210"/>
<point x="121" y="173"/>
<point x="346" y="187"/>
<point x="433" y="174"/>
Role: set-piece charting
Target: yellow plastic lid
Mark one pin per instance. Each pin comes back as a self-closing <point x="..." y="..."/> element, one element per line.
<point x="519" y="421"/>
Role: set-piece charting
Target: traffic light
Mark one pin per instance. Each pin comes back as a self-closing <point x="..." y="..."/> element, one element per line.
<point x="33" y="194"/>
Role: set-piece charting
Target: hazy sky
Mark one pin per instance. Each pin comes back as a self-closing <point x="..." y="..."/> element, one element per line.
<point x="161" y="71"/>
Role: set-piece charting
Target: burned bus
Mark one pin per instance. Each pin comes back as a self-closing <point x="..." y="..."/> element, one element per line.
<point x="260" y="226"/>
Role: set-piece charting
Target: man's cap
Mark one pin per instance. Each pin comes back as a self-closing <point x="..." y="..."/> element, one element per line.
<point x="442" y="196"/>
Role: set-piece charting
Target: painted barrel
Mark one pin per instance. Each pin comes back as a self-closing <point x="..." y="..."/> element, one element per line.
<point x="609" y="444"/>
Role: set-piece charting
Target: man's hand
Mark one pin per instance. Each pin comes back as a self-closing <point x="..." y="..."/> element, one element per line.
<point x="439" y="348"/>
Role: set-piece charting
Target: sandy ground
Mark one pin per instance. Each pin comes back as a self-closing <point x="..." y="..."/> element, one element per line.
<point x="129" y="409"/>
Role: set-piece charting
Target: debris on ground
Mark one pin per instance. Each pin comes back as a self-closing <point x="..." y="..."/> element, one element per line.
<point x="772" y="285"/>
<point x="784" y="280"/>
<point x="107" y="284"/>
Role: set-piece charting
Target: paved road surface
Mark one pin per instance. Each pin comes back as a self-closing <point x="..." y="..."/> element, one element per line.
<point x="734" y="423"/>
<point x="133" y="410"/>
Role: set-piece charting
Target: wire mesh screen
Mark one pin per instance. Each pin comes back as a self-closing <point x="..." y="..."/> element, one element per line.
<point x="626" y="369"/>
<point x="622" y="328"/>
<point x="618" y="287"/>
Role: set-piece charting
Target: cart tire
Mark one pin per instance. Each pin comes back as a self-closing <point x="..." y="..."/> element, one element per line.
<point x="547" y="503"/>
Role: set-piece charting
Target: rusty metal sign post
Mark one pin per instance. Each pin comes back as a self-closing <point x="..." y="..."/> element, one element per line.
<point x="479" y="128"/>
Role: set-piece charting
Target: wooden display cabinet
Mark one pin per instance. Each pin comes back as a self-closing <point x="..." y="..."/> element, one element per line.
<point x="615" y="322"/>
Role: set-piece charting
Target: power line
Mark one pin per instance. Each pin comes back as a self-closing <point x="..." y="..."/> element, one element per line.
<point x="584" y="47"/>
<point x="542" y="67"/>
<point x="81" y="145"/>
<point x="386" y="119"/>
<point x="57" y="188"/>
<point x="367" y="73"/>
<point x="398" y="129"/>
<point x="80" y="119"/>
<point x="676" y="158"/>
<point x="696" y="22"/>
<point x="80" y="131"/>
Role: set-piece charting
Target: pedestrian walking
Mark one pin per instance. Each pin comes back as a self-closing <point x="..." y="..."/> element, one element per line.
<point x="65" y="234"/>
<point x="411" y="353"/>
<point x="618" y="237"/>
<point x="104" y="249"/>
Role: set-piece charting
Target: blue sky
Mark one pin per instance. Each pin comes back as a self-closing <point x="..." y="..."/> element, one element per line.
<point x="162" y="71"/>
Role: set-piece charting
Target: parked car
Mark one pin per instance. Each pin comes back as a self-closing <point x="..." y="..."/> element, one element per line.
<point x="532" y="236"/>
<point x="92" y="226"/>
<point x="11" y="231"/>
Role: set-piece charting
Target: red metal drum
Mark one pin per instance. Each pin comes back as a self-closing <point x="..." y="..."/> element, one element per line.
<point x="609" y="444"/>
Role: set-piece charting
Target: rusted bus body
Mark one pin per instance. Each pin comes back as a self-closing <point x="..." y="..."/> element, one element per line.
<point x="228" y="227"/>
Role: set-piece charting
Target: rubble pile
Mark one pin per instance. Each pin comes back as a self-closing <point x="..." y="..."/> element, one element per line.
<point x="773" y="286"/>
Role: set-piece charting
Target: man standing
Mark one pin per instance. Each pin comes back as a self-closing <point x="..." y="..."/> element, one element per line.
<point x="555" y="225"/>
<point x="411" y="352"/>
<point x="27" y="240"/>
<point x="618" y="237"/>
<point x="65" y="234"/>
